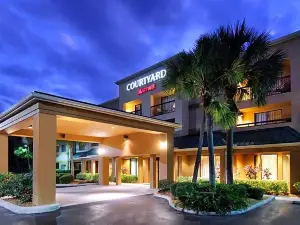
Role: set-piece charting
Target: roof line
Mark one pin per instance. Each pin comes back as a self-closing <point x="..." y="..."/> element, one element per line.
<point x="161" y="63"/>
<point x="108" y="101"/>
<point x="285" y="38"/>
<point x="40" y="96"/>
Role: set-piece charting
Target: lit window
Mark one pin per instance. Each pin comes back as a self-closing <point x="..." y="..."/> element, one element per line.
<point x="269" y="167"/>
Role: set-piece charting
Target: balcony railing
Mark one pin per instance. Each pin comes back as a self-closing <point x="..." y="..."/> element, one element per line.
<point x="163" y="108"/>
<point x="283" y="85"/>
<point x="137" y="112"/>
<point x="286" y="120"/>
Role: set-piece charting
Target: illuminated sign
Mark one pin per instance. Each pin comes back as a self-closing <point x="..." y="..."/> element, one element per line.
<point x="146" y="80"/>
<point x="146" y="89"/>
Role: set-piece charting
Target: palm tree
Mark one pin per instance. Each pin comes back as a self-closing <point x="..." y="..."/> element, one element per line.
<point x="70" y="145"/>
<point x="192" y="75"/>
<point x="250" y="51"/>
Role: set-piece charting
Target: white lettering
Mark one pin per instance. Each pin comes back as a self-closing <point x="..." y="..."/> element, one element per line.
<point x="146" y="80"/>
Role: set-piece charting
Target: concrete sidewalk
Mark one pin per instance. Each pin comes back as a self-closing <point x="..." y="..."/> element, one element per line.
<point x="68" y="196"/>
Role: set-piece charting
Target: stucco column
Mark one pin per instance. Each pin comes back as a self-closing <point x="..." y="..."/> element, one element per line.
<point x="3" y="153"/>
<point x="259" y="165"/>
<point x="294" y="170"/>
<point x="44" y="158"/>
<point x="279" y="167"/>
<point x="175" y="167"/>
<point x="170" y="156"/>
<point x="146" y="169"/>
<point x="113" y="167"/>
<point x="93" y="165"/>
<point x="223" y="167"/>
<point x="153" y="176"/>
<point x="118" y="161"/>
<point x="83" y="166"/>
<point x="103" y="168"/>
<point x="140" y="170"/>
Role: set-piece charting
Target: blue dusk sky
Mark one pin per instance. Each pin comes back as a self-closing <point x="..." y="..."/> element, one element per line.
<point x="79" y="48"/>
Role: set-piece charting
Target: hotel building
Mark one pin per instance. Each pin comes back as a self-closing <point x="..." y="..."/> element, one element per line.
<point x="267" y="137"/>
<point x="146" y="133"/>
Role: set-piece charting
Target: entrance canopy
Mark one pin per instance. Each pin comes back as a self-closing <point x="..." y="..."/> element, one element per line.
<point x="48" y="118"/>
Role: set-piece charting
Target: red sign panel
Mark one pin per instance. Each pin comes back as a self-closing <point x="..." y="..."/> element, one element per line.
<point x="146" y="89"/>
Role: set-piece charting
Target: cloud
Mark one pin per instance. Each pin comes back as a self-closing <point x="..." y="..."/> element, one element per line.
<point x="79" y="49"/>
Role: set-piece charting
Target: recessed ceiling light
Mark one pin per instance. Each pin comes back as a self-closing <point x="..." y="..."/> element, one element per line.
<point x="30" y="126"/>
<point x="113" y="127"/>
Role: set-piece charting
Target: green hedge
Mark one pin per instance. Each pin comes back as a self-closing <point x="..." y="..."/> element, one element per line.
<point x="16" y="185"/>
<point x="197" y="197"/>
<point x="63" y="171"/>
<point x="255" y="193"/>
<point x="189" y="179"/>
<point x="128" y="178"/>
<point x="270" y="187"/>
<point x="66" y="179"/>
<point x="89" y="177"/>
<point x="164" y="185"/>
<point x="125" y="178"/>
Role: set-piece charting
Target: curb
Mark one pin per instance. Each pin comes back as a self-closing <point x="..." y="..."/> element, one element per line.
<point x="29" y="210"/>
<point x="232" y="213"/>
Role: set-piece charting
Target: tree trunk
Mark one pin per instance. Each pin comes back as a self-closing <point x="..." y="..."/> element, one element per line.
<point x="28" y="161"/>
<point x="72" y="160"/>
<point x="199" y="151"/>
<point x="211" y="152"/>
<point x="229" y="169"/>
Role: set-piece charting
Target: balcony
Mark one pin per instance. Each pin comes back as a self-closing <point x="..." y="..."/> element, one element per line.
<point x="163" y="108"/>
<point x="137" y="112"/>
<point x="286" y="120"/>
<point x="283" y="85"/>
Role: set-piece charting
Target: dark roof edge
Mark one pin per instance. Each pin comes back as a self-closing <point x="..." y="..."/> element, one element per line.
<point x="161" y="63"/>
<point x="286" y="38"/>
<point x="109" y="101"/>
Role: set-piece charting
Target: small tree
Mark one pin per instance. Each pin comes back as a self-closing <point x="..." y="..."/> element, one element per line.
<point x="251" y="171"/>
<point x="24" y="153"/>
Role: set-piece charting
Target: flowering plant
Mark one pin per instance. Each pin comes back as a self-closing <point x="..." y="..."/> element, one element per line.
<point x="251" y="171"/>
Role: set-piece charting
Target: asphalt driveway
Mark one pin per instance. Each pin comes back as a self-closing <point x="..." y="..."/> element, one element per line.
<point x="147" y="209"/>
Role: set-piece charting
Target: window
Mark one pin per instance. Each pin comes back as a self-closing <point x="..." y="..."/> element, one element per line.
<point x="168" y="103"/>
<point x="133" y="167"/>
<point x="63" y="166"/>
<point x="57" y="148"/>
<point x="138" y="109"/>
<point x="63" y="148"/>
<point x="260" y="118"/>
<point x="57" y="166"/>
<point x="205" y="166"/>
<point x="269" y="162"/>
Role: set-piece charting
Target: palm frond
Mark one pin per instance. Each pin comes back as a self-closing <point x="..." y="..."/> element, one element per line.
<point x="221" y="114"/>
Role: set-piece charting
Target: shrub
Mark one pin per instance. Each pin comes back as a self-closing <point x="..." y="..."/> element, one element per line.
<point x="89" y="177"/>
<point x="66" y="179"/>
<point x="297" y="186"/>
<point x="189" y="179"/>
<point x="95" y="178"/>
<point x="173" y="188"/>
<point x="63" y="171"/>
<point x="16" y="185"/>
<point x="267" y="173"/>
<point x="128" y="178"/>
<point x="164" y="185"/>
<point x="251" y="172"/>
<point x="112" y="179"/>
<point x="270" y="187"/>
<point x="255" y="193"/>
<point x="197" y="197"/>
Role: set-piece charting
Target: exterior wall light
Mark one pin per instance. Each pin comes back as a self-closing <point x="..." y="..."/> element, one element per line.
<point x="125" y="137"/>
<point x="30" y="126"/>
<point x="163" y="145"/>
<point x="100" y="151"/>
